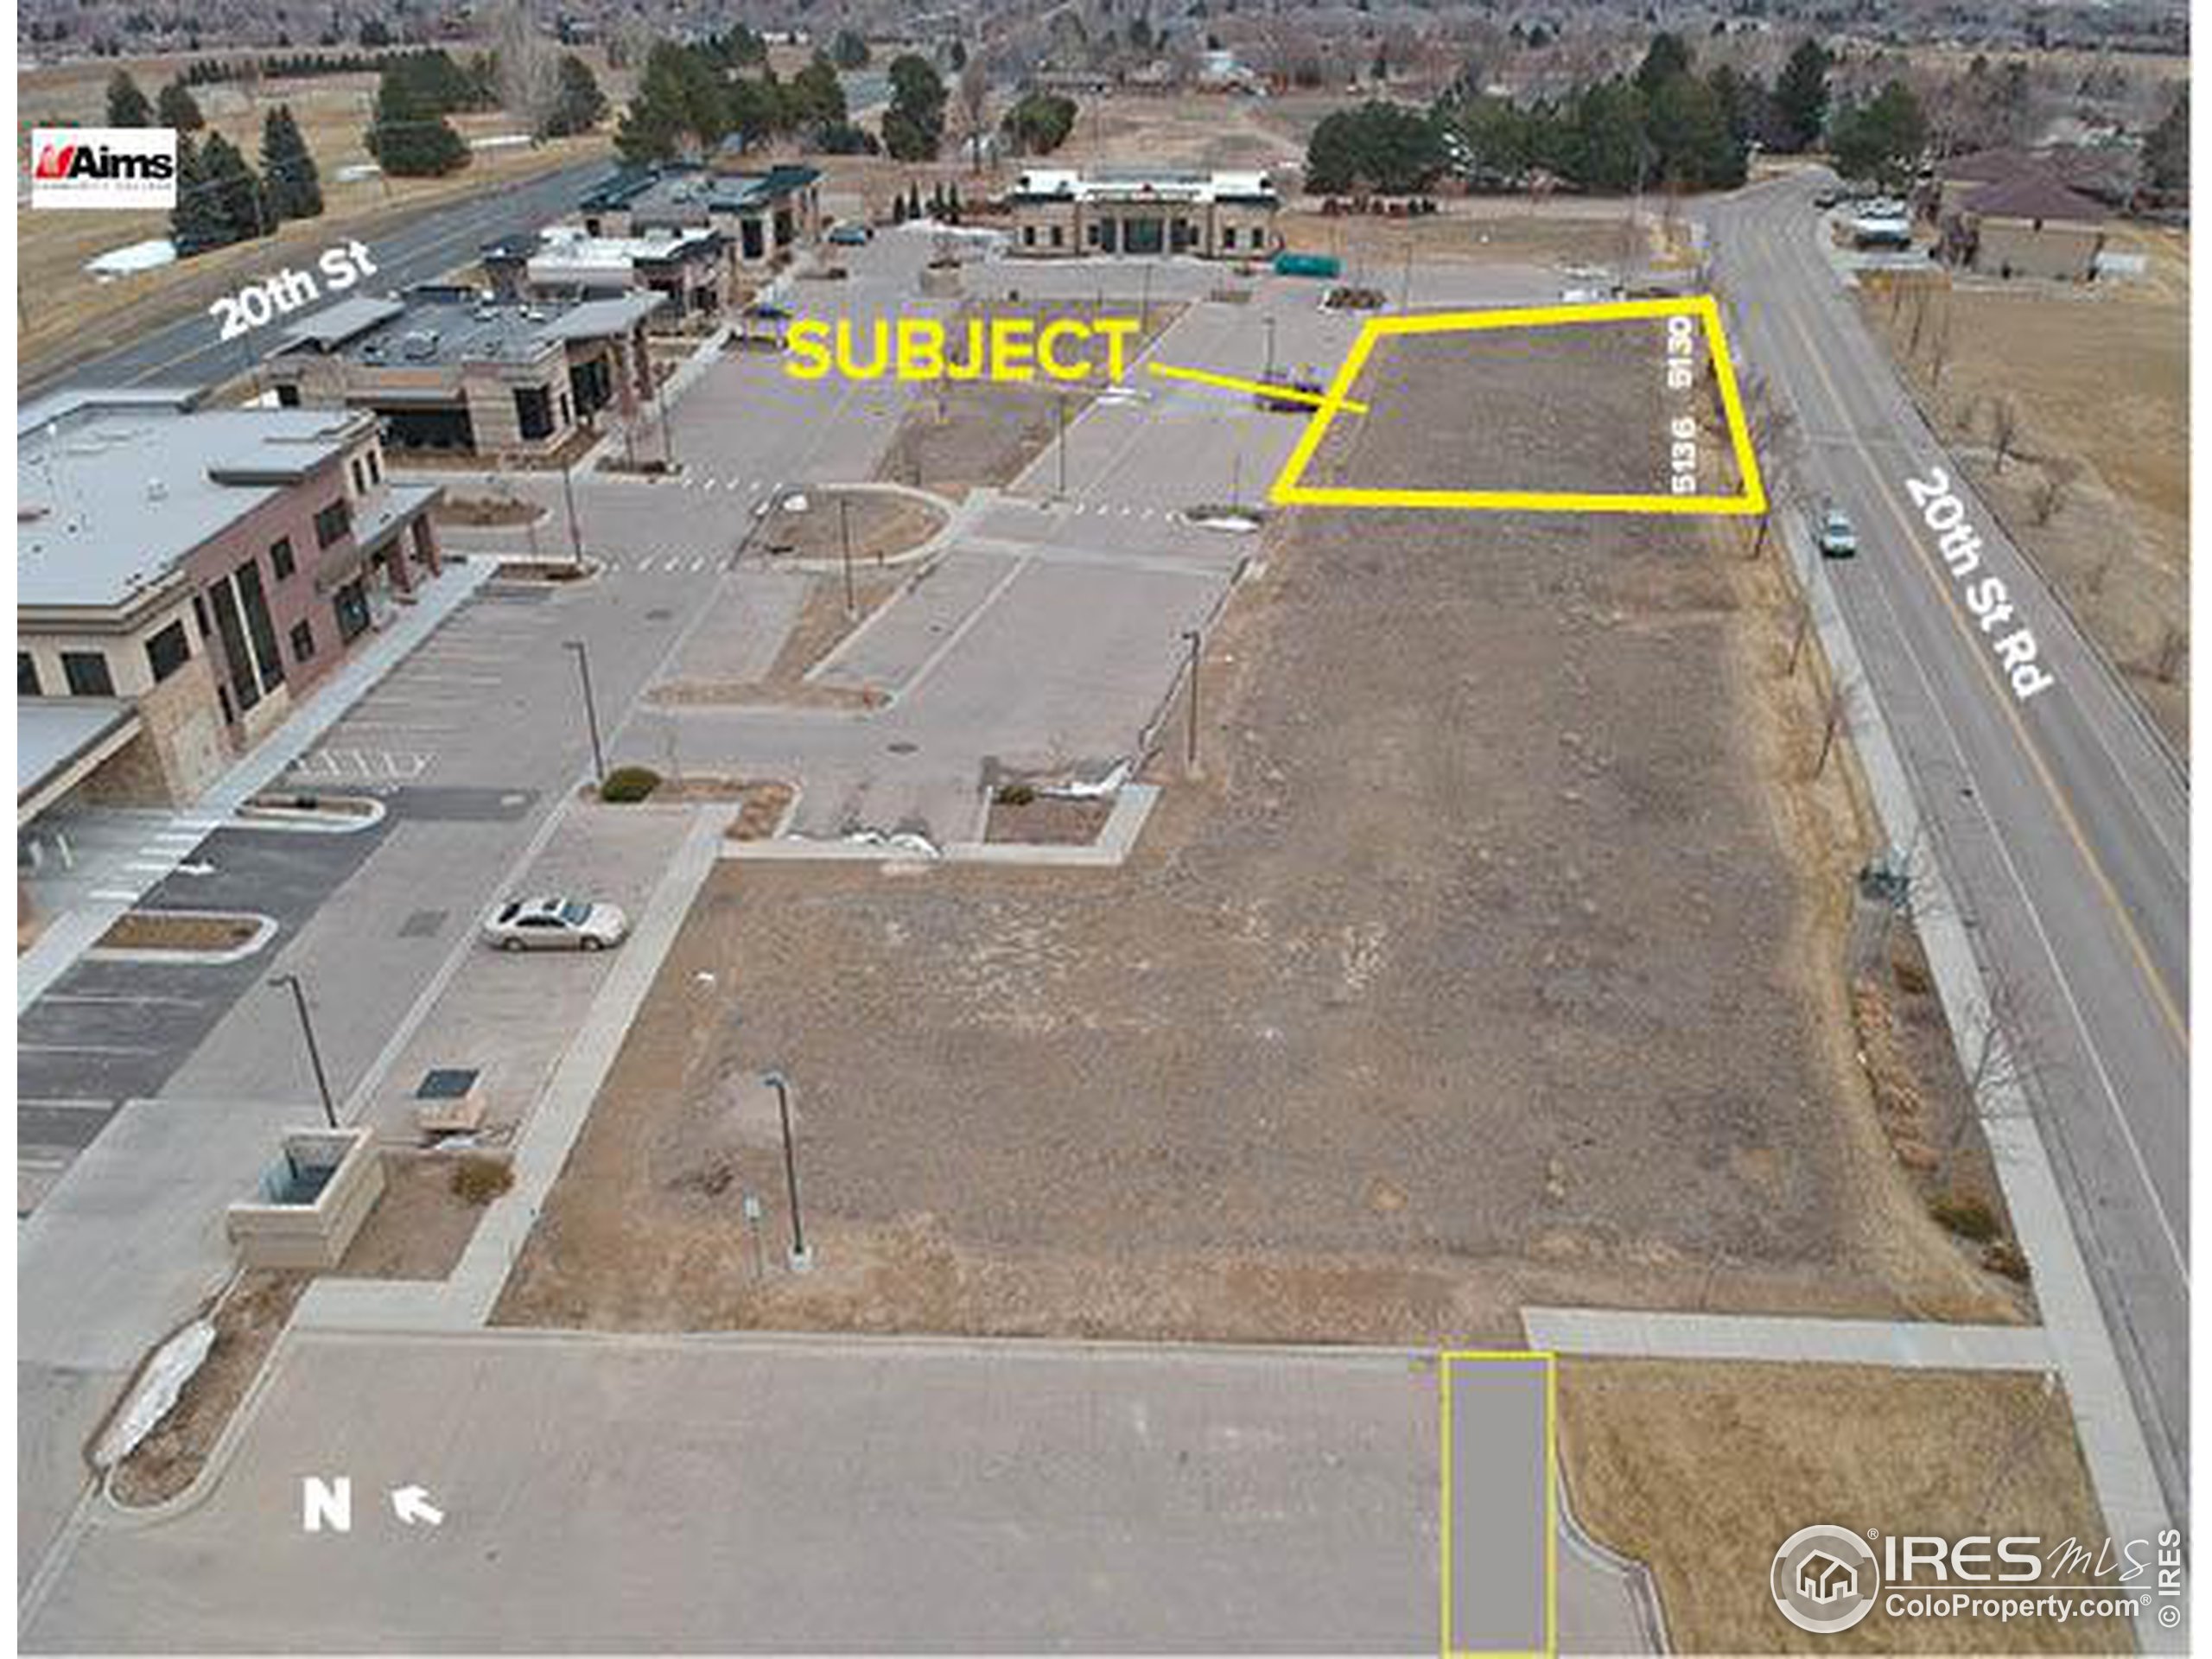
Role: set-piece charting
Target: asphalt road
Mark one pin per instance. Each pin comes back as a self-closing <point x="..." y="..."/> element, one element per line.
<point x="187" y="353"/>
<point x="2062" y="820"/>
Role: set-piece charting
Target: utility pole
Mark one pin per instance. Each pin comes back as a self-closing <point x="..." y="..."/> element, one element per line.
<point x="315" y="1054"/>
<point x="591" y="709"/>
<point x="667" y="433"/>
<point x="1191" y="638"/>
<point x="1144" y="305"/>
<point x="1268" y="374"/>
<point x="1405" y="283"/>
<point x="845" y="542"/>
<point x="568" y="494"/>
<point x="801" y="1258"/>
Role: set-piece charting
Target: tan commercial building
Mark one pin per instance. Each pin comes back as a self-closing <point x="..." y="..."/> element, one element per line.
<point x="1058" y="212"/>
<point x="454" y="369"/>
<point x="762" y="218"/>
<point x="184" y="576"/>
<point x="565" y="263"/>
<point x="2030" y="224"/>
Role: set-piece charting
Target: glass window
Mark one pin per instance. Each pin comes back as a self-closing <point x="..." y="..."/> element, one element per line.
<point x="302" y="642"/>
<point x="351" y="607"/>
<point x="376" y="467"/>
<point x="167" y="652"/>
<point x="533" y="412"/>
<point x="261" y="630"/>
<point x="280" y="557"/>
<point x="333" y="522"/>
<point x="245" y="685"/>
<point x="27" y="684"/>
<point x="86" y="672"/>
<point x="1228" y="236"/>
<point x="1055" y="236"/>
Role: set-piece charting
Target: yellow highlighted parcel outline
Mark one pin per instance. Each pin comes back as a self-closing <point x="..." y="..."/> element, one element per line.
<point x="1477" y="1355"/>
<point x="1288" y="491"/>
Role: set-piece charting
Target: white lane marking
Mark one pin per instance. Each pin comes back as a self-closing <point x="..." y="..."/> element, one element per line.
<point x="155" y="870"/>
<point x="114" y="999"/>
<point x="112" y="895"/>
<point x="699" y="564"/>
<point x="80" y="1048"/>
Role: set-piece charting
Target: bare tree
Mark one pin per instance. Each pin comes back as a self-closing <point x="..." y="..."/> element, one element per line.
<point x="1801" y="629"/>
<point x="1835" y="709"/>
<point x="1772" y="426"/>
<point x="529" y="68"/>
<point x="1939" y="346"/>
<point x="2050" y="491"/>
<point x="975" y="98"/>
<point x="2170" y="655"/>
<point x="2003" y="427"/>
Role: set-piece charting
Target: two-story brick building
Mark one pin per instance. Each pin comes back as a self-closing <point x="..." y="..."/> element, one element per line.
<point x="184" y="577"/>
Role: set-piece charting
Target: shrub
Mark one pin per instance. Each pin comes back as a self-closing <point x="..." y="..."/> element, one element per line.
<point x="2006" y="1257"/>
<point x="1015" y="794"/>
<point x="627" y="784"/>
<point x="1967" y="1217"/>
<point x="479" y="1180"/>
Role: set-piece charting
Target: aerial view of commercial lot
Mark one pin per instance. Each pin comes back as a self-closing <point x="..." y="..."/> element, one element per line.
<point x="975" y="835"/>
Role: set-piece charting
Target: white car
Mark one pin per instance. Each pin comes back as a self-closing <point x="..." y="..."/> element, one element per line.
<point x="1838" y="539"/>
<point x="555" y="924"/>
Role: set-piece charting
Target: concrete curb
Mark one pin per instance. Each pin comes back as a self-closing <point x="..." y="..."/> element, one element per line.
<point x="1907" y="1344"/>
<point x="1117" y="837"/>
<point x="263" y="931"/>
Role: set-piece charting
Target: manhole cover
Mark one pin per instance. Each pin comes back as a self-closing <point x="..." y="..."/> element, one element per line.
<point x="423" y="924"/>
<point x="902" y="747"/>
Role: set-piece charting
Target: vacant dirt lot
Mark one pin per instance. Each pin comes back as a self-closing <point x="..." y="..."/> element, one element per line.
<point x="1478" y="231"/>
<point x="1611" y="435"/>
<point x="1475" y="970"/>
<point x="2101" y="406"/>
<point x="1702" y="1471"/>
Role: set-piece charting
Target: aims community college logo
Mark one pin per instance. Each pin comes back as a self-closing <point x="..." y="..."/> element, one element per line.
<point x="1825" y="1578"/>
<point x="103" y="167"/>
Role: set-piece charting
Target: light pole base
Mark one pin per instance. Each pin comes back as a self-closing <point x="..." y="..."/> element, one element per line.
<point x="801" y="1261"/>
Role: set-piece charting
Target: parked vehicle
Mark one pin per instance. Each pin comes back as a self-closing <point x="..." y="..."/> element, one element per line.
<point x="554" y="923"/>
<point x="1308" y="264"/>
<point x="851" y="234"/>
<point x="1839" y="540"/>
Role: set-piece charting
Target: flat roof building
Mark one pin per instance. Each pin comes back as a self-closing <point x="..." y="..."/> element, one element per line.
<point x="184" y="575"/>
<point x="686" y="268"/>
<point x="1058" y="211"/>
<point x="762" y="216"/>
<point x="454" y="369"/>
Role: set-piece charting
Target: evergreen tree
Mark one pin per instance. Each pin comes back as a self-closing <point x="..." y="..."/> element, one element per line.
<point x="914" y="126"/>
<point x="233" y="192"/>
<point x="1881" y="139"/>
<point x="817" y="99"/>
<point x="408" y="132"/>
<point x="1800" y="96"/>
<point x="196" y="222"/>
<point x="578" y="104"/>
<point x="2166" y="150"/>
<point x="126" y="104"/>
<point x="848" y="50"/>
<point x="1687" y="129"/>
<point x="1379" y="146"/>
<point x="295" y="188"/>
<point x="176" y="107"/>
<point x="1665" y="58"/>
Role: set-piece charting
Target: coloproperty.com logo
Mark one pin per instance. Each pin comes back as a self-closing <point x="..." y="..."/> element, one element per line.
<point x="103" y="167"/>
<point x="1826" y="1579"/>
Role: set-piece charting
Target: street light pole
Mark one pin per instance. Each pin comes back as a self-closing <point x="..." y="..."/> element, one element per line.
<point x="1190" y="638"/>
<point x="1060" y="406"/>
<point x="845" y="543"/>
<point x="801" y="1257"/>
<point x="568" y="494"/>
<point x="315" y="1054"/>
<point x="591" y="708"/>
<point x="1268" y="374"/>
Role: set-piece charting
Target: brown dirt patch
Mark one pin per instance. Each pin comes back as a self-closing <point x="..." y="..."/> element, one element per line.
<point x="1701" y="1470"/>
<point x="880" y="525"/>
<point x="1510" y="974"/>
<point x="765" y="806"/>
<point x="2103" y="400"/>
<point x="821" y="625"/>
<point x="555" y="570"/>
<point x="1482" y="232"/>
<point x="155" y="929"/>
<point x="419" y="1228"/>
<point x="175" y="1449"/>
<point x="1046" y="820"/>
<point x="485" y="510"/>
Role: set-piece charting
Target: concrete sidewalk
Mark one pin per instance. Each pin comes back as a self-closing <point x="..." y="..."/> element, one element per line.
<point x="1916" y="1345"/>
<point x="71" y="933"/>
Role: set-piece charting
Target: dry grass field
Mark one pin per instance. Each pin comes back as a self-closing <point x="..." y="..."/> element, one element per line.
<point x="2099" y="379"/>
<point x="1700" y="1471"/>
<point x="64" y="312"/>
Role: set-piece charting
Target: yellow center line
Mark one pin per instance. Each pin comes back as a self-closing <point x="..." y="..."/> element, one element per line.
<point x="1229" y="382"/>
<point x="1999" y="693"/>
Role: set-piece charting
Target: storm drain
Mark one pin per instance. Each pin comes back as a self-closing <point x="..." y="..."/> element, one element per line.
<point x="423" y="924"/>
